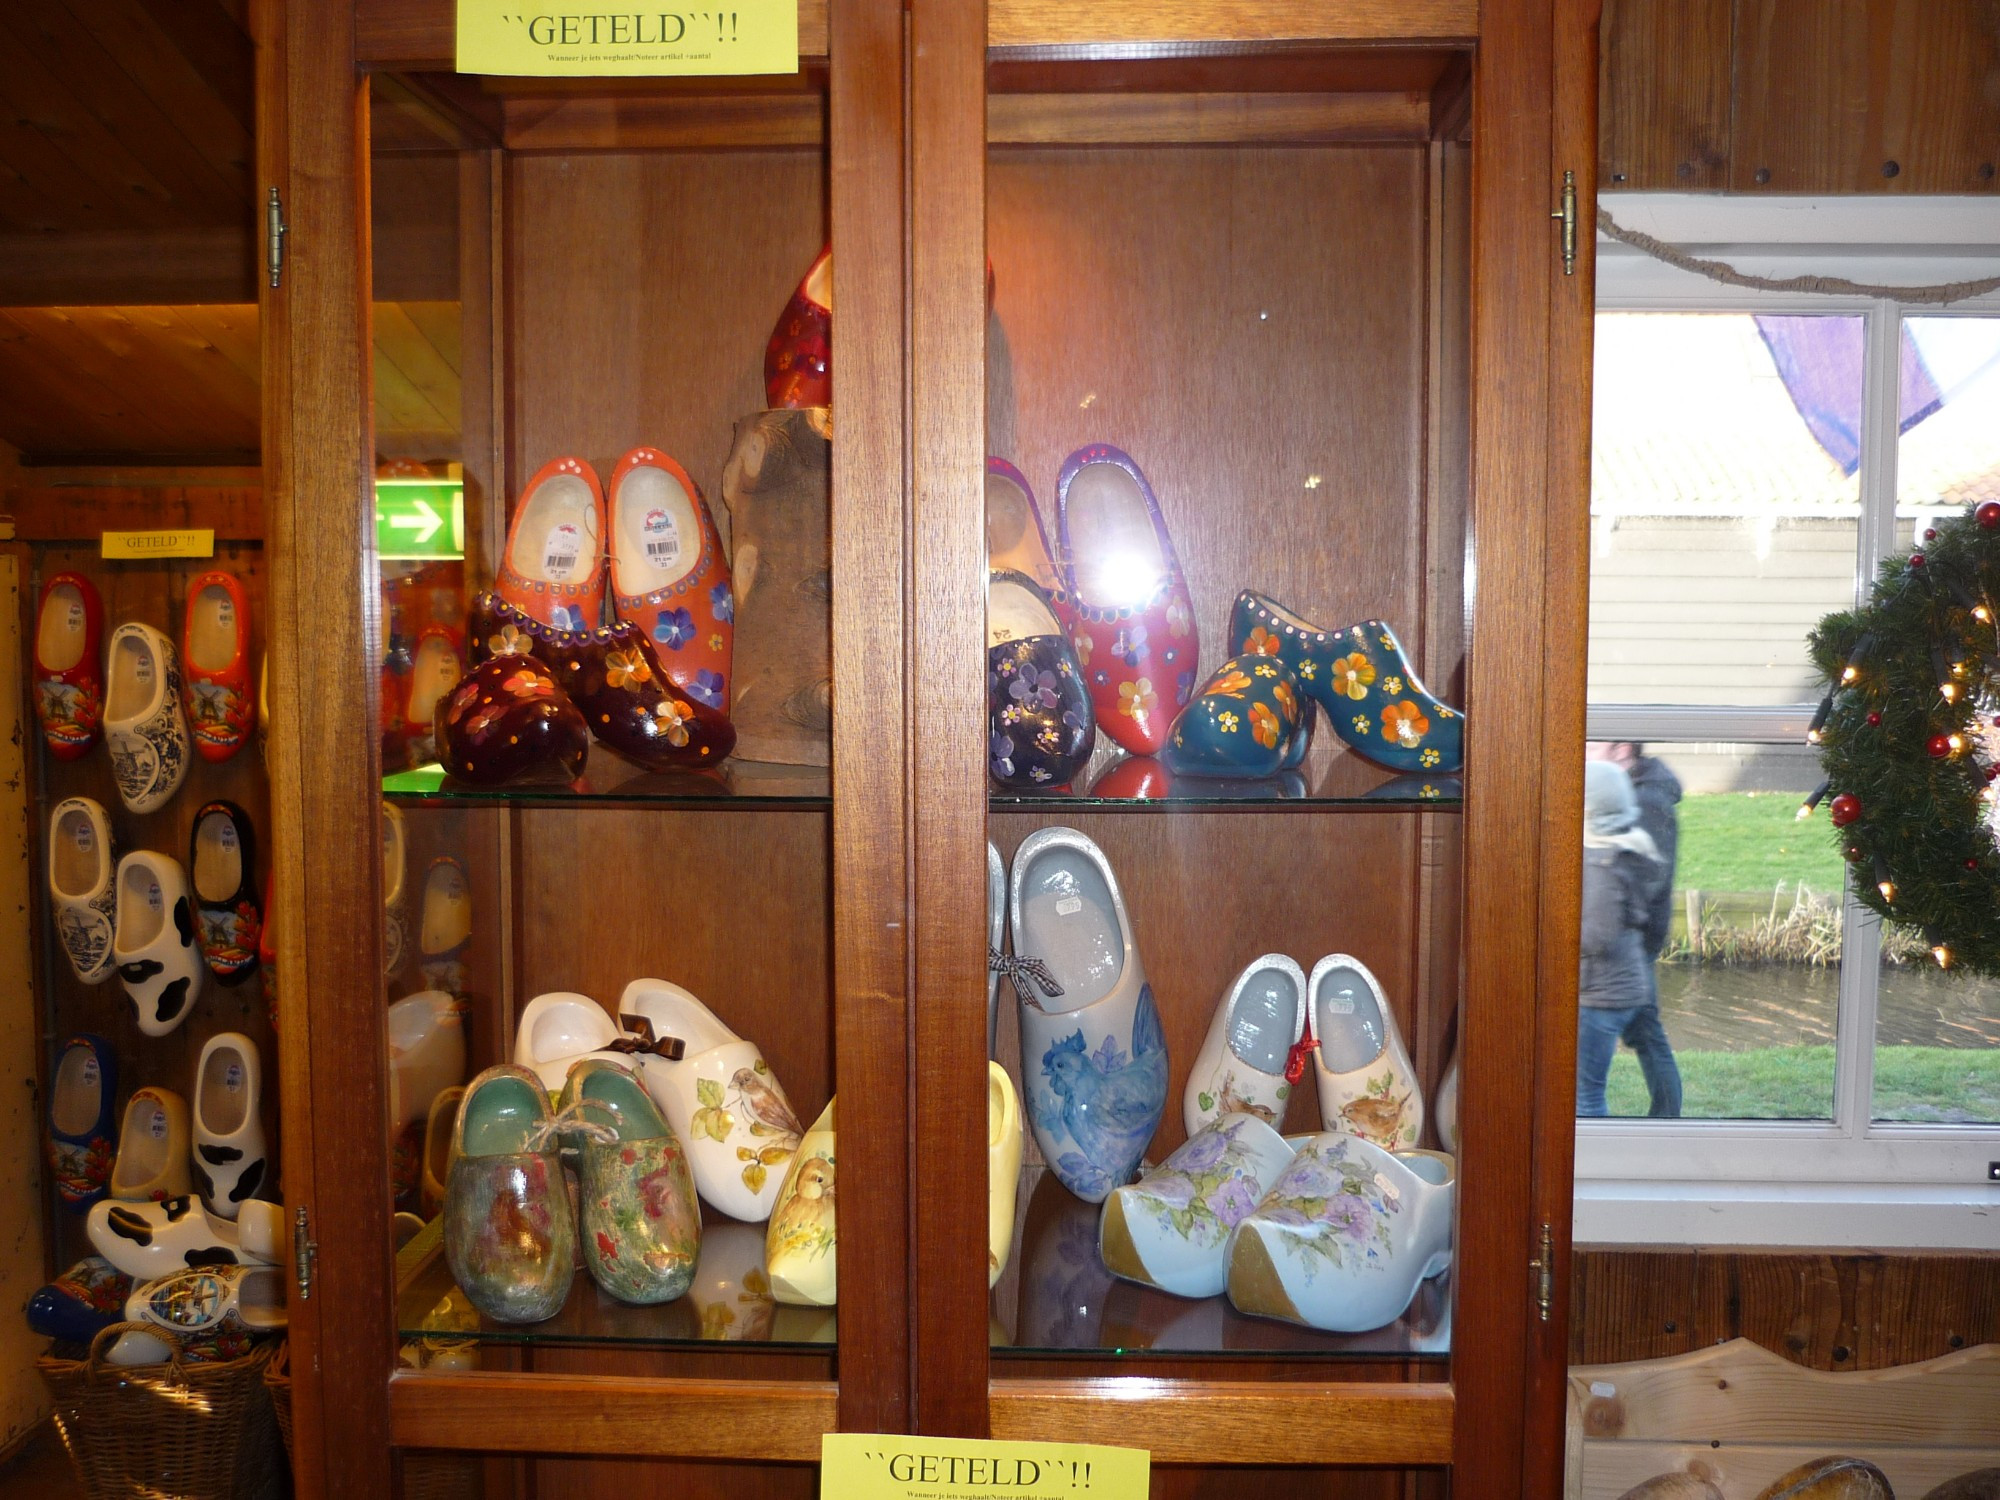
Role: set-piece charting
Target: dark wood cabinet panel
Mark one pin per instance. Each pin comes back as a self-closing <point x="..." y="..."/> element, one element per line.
<point x="1665" y="93"/>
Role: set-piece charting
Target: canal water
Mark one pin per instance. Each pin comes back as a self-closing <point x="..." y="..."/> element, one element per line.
<point x="1734" y="1008"/>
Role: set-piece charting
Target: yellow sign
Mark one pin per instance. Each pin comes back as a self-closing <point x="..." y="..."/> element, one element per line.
<point x="559" y="38"/>
<point x="140" y="544"/>
<point x="862" y="1466"/>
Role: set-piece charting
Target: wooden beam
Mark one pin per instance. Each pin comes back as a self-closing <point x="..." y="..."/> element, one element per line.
<point x="1127" y="23"/>
<point x="1204" y="119"/>
<point x="664" y="122"/>
<point x="99" y="268"/>
<point x="81" y="513"/>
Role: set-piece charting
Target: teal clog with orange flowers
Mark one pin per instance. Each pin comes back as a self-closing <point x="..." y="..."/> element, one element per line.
<point x="1247" y="721"/>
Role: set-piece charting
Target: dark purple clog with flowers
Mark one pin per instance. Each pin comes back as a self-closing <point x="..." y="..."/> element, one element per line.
<point x="1040" y="725"/>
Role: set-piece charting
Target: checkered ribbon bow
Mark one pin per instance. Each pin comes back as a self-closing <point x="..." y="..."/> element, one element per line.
<point x="1019" y="969"/>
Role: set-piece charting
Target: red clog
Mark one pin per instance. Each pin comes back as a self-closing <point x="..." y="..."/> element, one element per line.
<point x="508" y="718"/>
<point x="797" y="360"/>
<point x="668" y="574"/>
<point x="215" y="666"/>
<point x="553" y="570"/>
<point x="69" y="665"/>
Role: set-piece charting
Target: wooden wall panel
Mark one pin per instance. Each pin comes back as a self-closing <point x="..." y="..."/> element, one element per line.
<point x="1665" y="87"/>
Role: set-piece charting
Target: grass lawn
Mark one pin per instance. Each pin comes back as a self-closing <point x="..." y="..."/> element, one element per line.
<point x="1749" y="841"/>
<point x="1918" y="1084"/>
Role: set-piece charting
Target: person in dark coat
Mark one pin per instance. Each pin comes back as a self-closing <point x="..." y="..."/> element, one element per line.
<point x="1658" y="792"/>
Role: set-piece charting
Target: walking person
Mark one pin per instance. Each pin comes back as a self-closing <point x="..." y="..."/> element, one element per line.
<point x="1623" y="873"/>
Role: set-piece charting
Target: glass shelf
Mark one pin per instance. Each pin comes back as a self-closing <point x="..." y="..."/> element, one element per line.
<point x="610" y="780"/>
<point x="1128" y="783"/>
<point x="1056" y="1298"/>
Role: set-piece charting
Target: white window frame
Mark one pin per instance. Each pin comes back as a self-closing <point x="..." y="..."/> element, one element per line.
<point x="1798" y="1182"/>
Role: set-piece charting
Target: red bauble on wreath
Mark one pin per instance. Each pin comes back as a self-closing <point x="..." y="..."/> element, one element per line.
<point x="1846" y="809"/>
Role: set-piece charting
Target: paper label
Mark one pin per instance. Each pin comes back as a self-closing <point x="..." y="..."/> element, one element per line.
<point x="74" y="616"/>
<point x="232" y="1078"/>
<point x="662" y="538"/>
<point x="225" y="612"/>
<point x="1069" y="906"/>
<point x="862" y="1466"/>
<point x="90" y="1074"/>
<point x="1340" y="1003"/>
<point x="560" y="551"/>
<point x="131" y="544"/>
<point x="549" y="41"/>
<point x="85" y="839"/>
<point x="143" y="670"/>
<point x="227" y="838"/>
<point x="155" y="897"/>
<point x="158" y="1128"/>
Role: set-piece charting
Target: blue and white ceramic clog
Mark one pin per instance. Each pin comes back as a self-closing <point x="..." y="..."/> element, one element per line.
<point x="1246" y="721"/>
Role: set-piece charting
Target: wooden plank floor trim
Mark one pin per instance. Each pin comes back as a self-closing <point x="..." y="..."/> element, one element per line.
<point x="1206" y="1421"/>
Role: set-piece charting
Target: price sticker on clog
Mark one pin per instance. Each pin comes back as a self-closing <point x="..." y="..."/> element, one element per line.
<point x="866" y="1466"/>
<point x="557" y="39"/>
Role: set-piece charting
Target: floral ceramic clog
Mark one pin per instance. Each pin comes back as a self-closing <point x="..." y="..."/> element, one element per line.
<point x="154" y="1147"/>
<point x="1003" y="1168"/>
<point x="559" y="1029"/>
<point x="436" y="665"/>
<point x="508" y="718"/>
<point x="224" y="1305"/>
<point x="719" y="1095"/>
<point x="1134" y="625"/>
<point x="669" y="577"/>
<point x="215" y="653"/>
<point x="231" y="1165"/>
<point x="444" y="925"/>
<point x="83" y="858"/>
<point x="222" y="854"/>
<point x="1345" y="1236"/>
<point x="1040" y="726"/>
<point x="1093" y="1054"/>
<point x="799" y="356"/>
<point x="509" y="1236"/>
<point x="1364" y="680"/>
<point x="641" y="1221"/>
<point x="1063" y="1283"/>
<point x="553" y="570"/>
<point x="143" y="724"/>
<point x="83" y="1093"/>
<point x="1170" y="1229"/>
<point x="1366" y="1083"/>
<point x="426" y="1053"/>
<point x="150" y="1240"/>
<point x="69" y="675"/>
<point x="1015" y="539"/>
<point x="1246" y="721"/>
<point x="153" y="940"/>
<point x="799" y="1242"/>
<point x="1245" y="1060"/>
<point x="81" y="1303"/>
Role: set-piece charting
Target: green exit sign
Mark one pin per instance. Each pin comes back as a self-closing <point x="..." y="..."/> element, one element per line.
<point x="419" y="518"/>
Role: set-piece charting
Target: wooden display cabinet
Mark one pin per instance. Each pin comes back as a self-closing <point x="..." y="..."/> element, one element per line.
<point x="1298" y="258"/>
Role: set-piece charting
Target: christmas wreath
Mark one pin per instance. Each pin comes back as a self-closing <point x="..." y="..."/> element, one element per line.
<point x="1909" y="742"/>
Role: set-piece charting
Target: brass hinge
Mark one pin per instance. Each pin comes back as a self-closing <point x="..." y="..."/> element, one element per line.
<point x="1567" y="214"/>
<point x="1544" y="1267"/>
<point x="275" y="230"/>
<point x="305" y="1255"/>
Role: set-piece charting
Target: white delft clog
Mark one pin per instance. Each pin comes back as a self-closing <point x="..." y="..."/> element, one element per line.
<point x="799" y="1242"/>
<point x="721" y="1097"/>
<point x="426" y="1053"/>
<point x="83" y="857"/>
<point x="144" y="727"/>
<point x="154" y="942"/>
<point x="230" y="1162"/>
<point x="1366" y="1084"/>
<point x="557" y="1029"/>
<point x="1241" y="1065"/>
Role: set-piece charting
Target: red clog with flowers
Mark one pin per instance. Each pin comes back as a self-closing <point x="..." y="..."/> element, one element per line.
<point x="1133" y="622"/>
<point x="797" y="360"/>
<point x="668" y="574"/>
<point x="553" y="570"/>
<point x="69" y="665"/>
<point x="215" y="665"/>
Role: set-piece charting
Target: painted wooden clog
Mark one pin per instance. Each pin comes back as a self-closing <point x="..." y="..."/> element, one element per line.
<point x="144" y="727"/>
<point x="1134" y="628"/>
<point x="798" y="359"/>
<point x="231" y="1164"/>
<point x="1345" y="1236"/>
<point x="154" y="1148"/>
<point x="1367" y="1084"/>
<point x="640" y="1220"/>
<point x="1040" y="725"/>
<point x="83" y="858"/>
<point x="69" y="671"/>
<point x="81" y="1303"/>
<point x="154" y="940"/>
<point x="508" y="719"/>
<point x="1170" y="1229"/>
<point x="800" y="1241"/>
<point x="669" y="577"/>
<point x="436" y="665"/>
<point x="509" y="1235"/>
<point x="1363" y="679"/>
<point x="222" y="856"/>
<point x="83" y="1093"/>
<point x="1831" y="1478"/>
<point x="1244" y="1060"/>
<point x="1245" y="722"/>
<point x="553" y="569"/>
<point x="215" y="657"/>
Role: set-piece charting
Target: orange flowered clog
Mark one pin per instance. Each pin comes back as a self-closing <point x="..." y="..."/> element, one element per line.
<point x="668" y="574"/>
<point x="553" y="569"/>
<point x="797" y="361"/>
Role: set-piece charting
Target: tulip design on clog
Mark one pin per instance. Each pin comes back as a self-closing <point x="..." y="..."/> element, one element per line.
<point x="83" y="858"/>
<point x="1247" y="721"/>
<point x="215" y="641"/>
<point x="1364" y="680"/>
<point x="153" y="1148"/>
<point x="1134" y="626"/>
<point x="231" y="1165"/>
<point x="1094" y="1056"/>
<point x="1040" y="725"/>
<point x="1170" y="1229"/>
<point x="81" y="1303"/>
<point x="82" y="1095"/>
<point x="1367" y="1086"/>
<point x="669" y="578"/>
<point x="509" y="718"/>
<point x="210" y="1314"/>
<point x="553" y="570"/>
<point x="143" y="725"/>
<point x="153" y="942"/>
<point x="1345" y="1236"/>
<point x="69" y="680"/>
<point x="1245" y="1060"/>
<point x="800" y="1242"/>
<point x="509" y="1236"/>
<point x="222" y="854"/>
<point x="641" y="1222"/>
<point x="799" y="356"/>
<point x="1015" y="539"/>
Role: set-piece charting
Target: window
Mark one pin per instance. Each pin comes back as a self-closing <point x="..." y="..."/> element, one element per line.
<point x="1755" y="456"/>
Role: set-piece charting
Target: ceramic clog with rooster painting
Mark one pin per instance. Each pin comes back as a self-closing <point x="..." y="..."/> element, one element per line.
<point x="1345" y="1236"/>
<point x="798" y="359"/>
<point x="509" y="1236"/>
<point x="82" y="1097"/>
<point x="222" y="854"/>
<point x="1134" y="625"/>
<point x="215" y="656"/>
<point x="1040" y="726"/>
<point x="669" y="578"/>
<point x="640" y="1220"/>
<point x="69" y="674"/>
<point x="83" y="858"/>
<point x="1093" y="1053"/>
<point x="507" y="719"/>
<point x="1245" y="722"/>
<point x="800" y="1242"/>
<point x="154" y="941"/>
<point x="1367" y="1085"/>
<point x="553" y="569"/>
<point x="144" y="727"/>
<point x="1245" y="1060"/>
<point x="1170" y="1229"/>
<point x="1364" y="680"/>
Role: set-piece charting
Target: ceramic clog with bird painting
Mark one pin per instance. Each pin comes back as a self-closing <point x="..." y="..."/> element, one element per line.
<point x="1345" y="1236"/>
<point x="1170" y="1229"/>
<point x="69" y="675"/>
<point x="1364" y="680"/>
<point x="640" y="1219"/>
<point x="1245" y="1060"/>
<point x="509" y="1234"/>
<point x="222" y="855"/>
<point x="508" y="718"/>
<point x="1367" y="1085"/>
<point x="558" y="1029"/>
<point x="150" y="1240"/>
<point x="154" y="1148"/>
<point x="798" y="359"/>
<point x="215" y="656"/>
<point x="669" y="579"/>
<point x="144" y="727"/>
<point x="1134" y="624"/>
<point x="616" y="680"/>
<point x="553" y="569"/>
<point x="720" y="1096"/>
<point x="1015" y="539"/>
<point x="730" y="1291"/>
<point x="1003" y="1167"/>
<point x="1093" y="1054"/>
<point x="153" y="941"/>
<point x="83" y="1093"/>
<point x="83" y="859"/>
<point x="799" y="1241"/>
<point x="1040" y="725"/>
<point x="231" y="1165"/>
<point x="1245" y="722"/>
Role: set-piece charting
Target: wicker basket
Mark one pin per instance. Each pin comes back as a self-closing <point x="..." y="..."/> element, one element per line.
<point x="278" y="1386"/>
<point x="194" y="1431"/>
